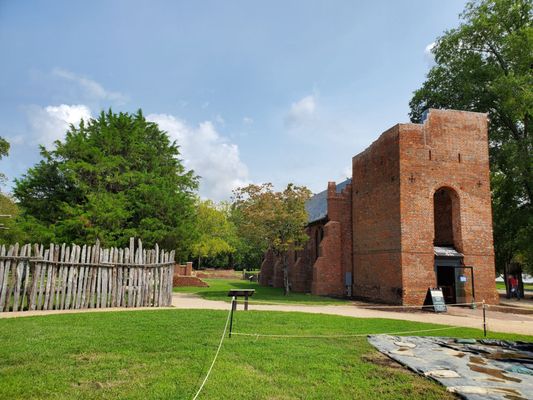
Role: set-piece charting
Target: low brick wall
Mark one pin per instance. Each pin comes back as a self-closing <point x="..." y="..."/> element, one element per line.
<point x="179" y="280"/>
<point x="219" y="273"/>
<point x="183" y="270"/>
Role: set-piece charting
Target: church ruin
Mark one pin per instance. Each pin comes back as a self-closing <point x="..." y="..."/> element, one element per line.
<point x="415" y="214"/>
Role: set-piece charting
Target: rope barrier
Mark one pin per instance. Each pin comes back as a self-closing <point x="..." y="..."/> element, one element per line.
<point x="357" y="305"/>
<point x="509" y="307"/>
<point x="257" y="335"/>
<point x="215" y="358"/>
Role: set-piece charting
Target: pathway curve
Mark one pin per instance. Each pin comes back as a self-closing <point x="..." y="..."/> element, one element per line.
<point x="463" y="317"/>
<point x="456" y="316"/>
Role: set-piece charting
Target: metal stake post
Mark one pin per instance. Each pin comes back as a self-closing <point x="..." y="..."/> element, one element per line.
<point x="484" y="320"/>
<point x="233" y="306"/>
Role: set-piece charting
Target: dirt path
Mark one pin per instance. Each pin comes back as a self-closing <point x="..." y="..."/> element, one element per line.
<point x="464" y="317"/>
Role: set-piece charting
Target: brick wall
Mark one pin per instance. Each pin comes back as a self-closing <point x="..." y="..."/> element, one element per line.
<point x="267" y="269"/>
<point x="302" y="272"/>
<point x="277" y="278"/>
<point x="450" y="150"/>
<point x="183" y="269"/>
<point x="376" y="220"/>
<point x="416" y="186"/>
<point x="328" y="270"/>
<point x="340" y="210"/>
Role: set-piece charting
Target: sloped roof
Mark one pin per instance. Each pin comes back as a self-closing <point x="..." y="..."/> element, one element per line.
<point x="317" y="206"/>
<point x="446" y="252"/>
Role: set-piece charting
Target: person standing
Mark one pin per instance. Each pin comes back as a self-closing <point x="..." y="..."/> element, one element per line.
<point x="513" y="286"/>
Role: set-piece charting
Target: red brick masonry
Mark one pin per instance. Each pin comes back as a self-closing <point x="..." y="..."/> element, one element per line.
<point x="183" y="276"/>
<point x="414" y="180"/>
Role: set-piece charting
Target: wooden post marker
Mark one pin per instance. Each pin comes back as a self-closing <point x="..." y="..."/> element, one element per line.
<point x="241" y="293"/>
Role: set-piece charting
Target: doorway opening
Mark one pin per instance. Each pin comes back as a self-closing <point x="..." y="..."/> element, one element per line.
<point x="446" y="281"/>
<point x="446" y="218"/>
<point x="454" y="278"/>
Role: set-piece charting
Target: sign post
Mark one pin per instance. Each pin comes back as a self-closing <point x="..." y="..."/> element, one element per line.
<point x="435" y="300"/>
<point x="234" y="293"/>
<point x="233" y="304"/>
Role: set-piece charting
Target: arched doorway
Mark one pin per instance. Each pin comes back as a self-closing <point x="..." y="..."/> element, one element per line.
<point x="450" y="274"/>
<point x="443" y="217"/>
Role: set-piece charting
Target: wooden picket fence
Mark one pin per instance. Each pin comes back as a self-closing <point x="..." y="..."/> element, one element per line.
<point x="33" y="277"/>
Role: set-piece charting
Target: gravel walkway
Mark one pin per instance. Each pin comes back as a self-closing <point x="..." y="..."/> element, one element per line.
<point x="463" y="317"/>
<point x="456" y="316"/>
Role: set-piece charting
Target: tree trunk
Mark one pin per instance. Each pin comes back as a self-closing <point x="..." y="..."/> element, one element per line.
<point x="286" y="283"/>
<point x="505" y="277"/>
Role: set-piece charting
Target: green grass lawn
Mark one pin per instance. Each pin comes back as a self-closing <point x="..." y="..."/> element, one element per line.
<point x="218" y="290"/>
<point x="164" y="354"/>
<point x="528" y="287"/>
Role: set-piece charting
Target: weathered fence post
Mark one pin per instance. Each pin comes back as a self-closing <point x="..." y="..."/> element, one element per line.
<point x="74" y="277"/>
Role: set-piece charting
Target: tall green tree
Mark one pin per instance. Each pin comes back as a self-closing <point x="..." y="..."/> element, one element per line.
<point x="4" y="151"/>
<point x="216" y="234"/>
<point x="486" y="65"/>
<point x="267" y="219"/>
<point x="112" y="177"/>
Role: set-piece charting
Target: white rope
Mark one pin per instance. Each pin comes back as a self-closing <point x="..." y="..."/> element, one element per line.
<point x="510" y="307"/>
<point x="288" y="303"/>
<point x="341" y="336"/>
<point x="214" y="359"/>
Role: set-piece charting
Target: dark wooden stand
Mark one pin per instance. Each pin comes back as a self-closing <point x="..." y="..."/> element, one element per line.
<point x="241" y="293"/>
<point x="236" y="293"/>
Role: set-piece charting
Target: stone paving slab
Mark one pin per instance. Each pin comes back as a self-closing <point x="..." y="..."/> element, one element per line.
<point x="473" y="369"/>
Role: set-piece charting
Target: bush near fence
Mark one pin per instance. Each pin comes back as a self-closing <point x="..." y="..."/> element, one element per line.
<point x="34" y="277"/>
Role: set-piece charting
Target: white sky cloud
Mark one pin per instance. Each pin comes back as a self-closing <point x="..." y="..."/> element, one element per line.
<point x="208" y="153"/>
<point x="347" y="172"/>
<point x="50" y="123"/>
<point x="203" y="149"/>
<point x="247" y="121"/>
<point x="428" y="54"/>
<point x="91" y="88"/>
<point x="301" y="112"/>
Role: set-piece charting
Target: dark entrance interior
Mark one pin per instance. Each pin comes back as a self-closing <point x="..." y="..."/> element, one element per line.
<point x="447" y="282"/>
<point x="455" y="279"/>
<point x="449" y="267"/>
<point x="443" y="218"/>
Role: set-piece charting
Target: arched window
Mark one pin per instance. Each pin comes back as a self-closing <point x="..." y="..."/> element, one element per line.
<point x="446" y="217"/>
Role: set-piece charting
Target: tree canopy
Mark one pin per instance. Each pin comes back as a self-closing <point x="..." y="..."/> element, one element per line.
<point x="486" y="65"/>
<point x="112" y="178"/>
<point x="216" y="234"/>
<point x="4" y="151"/>
<point x="267" y="219"/>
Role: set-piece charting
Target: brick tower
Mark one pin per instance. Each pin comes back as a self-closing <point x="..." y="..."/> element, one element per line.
<point x="422" y="212"/>
<point x="416" y="214"/>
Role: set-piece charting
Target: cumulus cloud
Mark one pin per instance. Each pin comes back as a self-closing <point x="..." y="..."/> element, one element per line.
<point x="247" y="121"/>
<point x="92" y="89"/>
<point x="428" y="53"/>
<point x="50" y="123"/>
<point x="301" y="112"/>
<point x="347" y="172"/>
<point x="208" y="153"/>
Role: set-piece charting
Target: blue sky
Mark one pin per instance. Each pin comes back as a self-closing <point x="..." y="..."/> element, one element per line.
<point x="276" y="91"/>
